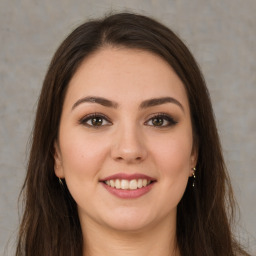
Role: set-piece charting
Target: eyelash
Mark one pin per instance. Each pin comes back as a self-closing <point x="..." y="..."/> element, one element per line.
<point x="162" y="116"/>
<point x="89" y="117"/>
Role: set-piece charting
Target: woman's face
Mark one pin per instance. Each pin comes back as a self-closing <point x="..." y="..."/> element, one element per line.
<point x="125" y="140"/>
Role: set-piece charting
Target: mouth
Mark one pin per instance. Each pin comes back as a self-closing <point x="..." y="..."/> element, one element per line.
<point x="128" y="186"/>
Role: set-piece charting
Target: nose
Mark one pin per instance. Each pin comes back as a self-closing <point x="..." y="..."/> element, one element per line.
<point x="128" y="146"/>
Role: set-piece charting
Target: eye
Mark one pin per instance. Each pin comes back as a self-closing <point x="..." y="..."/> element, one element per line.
<point x="161" y="120"/>
<point x="95" y="120"/>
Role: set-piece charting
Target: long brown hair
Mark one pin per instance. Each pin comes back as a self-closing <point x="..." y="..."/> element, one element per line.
<point x="50" y="224"/>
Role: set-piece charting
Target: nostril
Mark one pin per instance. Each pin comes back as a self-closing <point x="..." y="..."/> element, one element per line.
<point x="129" y="158"/>
<point x="128" y="152"/>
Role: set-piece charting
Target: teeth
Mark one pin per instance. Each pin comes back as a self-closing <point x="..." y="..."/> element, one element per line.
<point x="139" y="183"/>
<point x="144" y="183"/>
<point x="112" y="183"/>
<point x="133" y="184"/>
<point x="124" y="184"/>
<point x="118" y="184"/>
<point x="128" y="184"/>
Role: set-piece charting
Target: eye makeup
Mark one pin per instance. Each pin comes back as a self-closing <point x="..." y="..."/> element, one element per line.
<point x="161" y="120"/>
<point x="95" y="120"/>
<point x="157" y="120"/>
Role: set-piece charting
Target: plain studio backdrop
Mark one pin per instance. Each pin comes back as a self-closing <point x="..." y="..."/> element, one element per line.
<point x="220" y="33"/>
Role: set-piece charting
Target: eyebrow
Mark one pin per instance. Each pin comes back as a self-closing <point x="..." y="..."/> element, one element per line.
<point x="92" y="99"/>
<point x="160" y="101"/>
<point x="145" y="104"/>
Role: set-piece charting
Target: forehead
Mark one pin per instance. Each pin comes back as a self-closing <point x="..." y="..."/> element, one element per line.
<point x="122" y="73"/>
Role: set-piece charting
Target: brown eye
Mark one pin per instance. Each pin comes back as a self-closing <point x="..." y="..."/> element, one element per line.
<point x="161" y="121"/>
<point x="95" y="120"/>
<point x="157" y="121"/>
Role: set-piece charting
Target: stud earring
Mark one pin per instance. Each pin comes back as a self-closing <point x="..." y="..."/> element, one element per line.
<point x="60" y="181"/>
<point x="194" y="177"/>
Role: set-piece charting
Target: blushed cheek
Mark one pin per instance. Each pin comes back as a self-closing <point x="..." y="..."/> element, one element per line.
<point x="175" y="158"/>
<point x="80" y="169"/>
<point x="82" y="159"/>
<point x="176" y="171"/>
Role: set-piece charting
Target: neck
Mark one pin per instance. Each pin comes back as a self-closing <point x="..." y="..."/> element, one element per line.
<point x="158" y="240"/>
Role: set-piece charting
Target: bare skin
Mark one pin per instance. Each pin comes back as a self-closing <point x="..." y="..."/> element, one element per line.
<point x="126" y="113"/>
<point x="156" y="241"/>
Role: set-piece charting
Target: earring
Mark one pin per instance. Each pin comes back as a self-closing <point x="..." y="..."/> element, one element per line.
<point x="194" y="177"/>
<point x="60" y="181"/>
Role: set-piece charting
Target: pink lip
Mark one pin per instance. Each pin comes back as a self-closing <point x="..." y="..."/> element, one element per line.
<point x="125" y="176"/>
<point x="128" y="193"/>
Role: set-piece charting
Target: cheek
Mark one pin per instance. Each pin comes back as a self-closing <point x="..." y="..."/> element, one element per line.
<point x="82" y="160"/>
<point x="81" y="156"/>
<point x="173" y="155"/>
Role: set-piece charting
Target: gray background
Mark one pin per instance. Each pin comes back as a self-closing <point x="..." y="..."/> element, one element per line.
<point x="220" y="33"/>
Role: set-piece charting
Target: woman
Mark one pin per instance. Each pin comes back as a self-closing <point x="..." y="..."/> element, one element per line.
<point x="126" y="158"/>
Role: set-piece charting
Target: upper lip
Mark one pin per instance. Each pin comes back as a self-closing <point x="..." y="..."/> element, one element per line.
<point x="125" y="176"/>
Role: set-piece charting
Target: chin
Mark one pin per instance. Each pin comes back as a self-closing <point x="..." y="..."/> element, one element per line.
<point x="132" y="226"/>
<point x="132" y="220"/>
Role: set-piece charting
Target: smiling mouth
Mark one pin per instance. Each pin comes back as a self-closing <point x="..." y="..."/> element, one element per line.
<point x="124" y="184"/>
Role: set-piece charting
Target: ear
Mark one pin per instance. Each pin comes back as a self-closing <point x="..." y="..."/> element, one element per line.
<point x="58" y="169"/>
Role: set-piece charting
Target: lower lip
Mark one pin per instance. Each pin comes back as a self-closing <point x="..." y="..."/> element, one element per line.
<point x="128" y="193"/>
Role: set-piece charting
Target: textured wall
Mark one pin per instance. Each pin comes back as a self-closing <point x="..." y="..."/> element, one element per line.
<point x="220" y="33"/>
